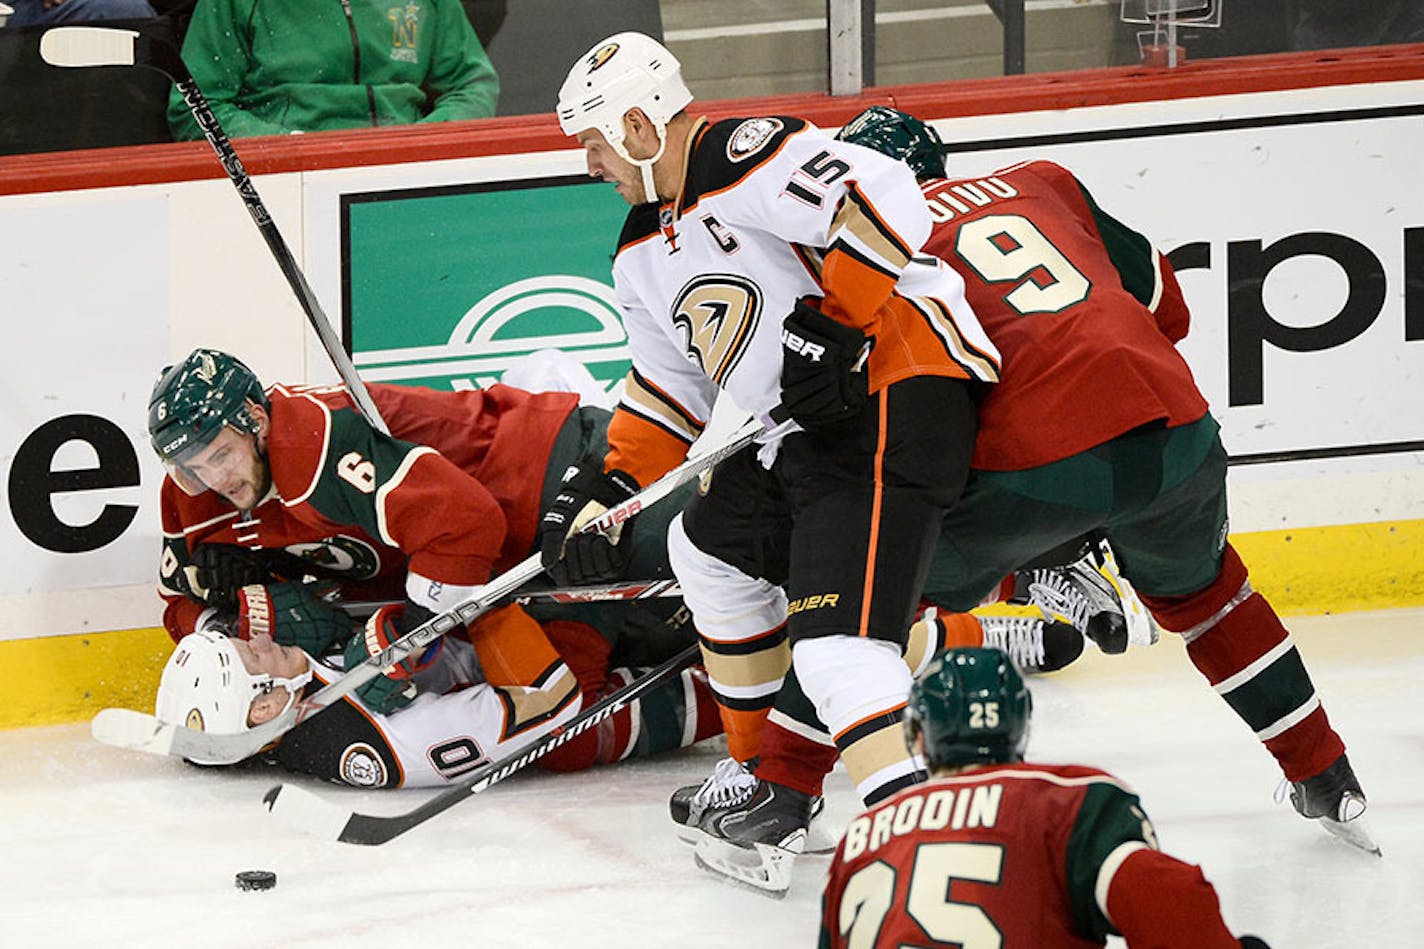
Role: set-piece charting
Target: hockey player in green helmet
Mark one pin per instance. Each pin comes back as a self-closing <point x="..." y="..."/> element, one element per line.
<point x="1054" y="856"/>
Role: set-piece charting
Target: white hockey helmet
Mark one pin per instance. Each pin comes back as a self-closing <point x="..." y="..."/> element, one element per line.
<point x="626" y="71"/>
<point x="206" y="687"/>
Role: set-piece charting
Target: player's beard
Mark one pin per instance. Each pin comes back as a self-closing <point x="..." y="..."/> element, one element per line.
<point x="253" y="487"/>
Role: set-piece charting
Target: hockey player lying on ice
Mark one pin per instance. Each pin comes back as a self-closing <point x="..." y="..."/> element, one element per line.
<point x="279" y="501"/>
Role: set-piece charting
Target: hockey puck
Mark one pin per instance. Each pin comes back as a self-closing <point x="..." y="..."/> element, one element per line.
<point x="256" y="880"/>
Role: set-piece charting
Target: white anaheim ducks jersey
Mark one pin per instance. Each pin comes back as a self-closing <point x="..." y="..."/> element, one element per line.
<point x="444" y="734"/>
<point x="771" y="210"/>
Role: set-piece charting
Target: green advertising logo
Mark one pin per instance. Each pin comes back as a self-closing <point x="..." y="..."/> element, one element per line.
<point x="448" y="287"/>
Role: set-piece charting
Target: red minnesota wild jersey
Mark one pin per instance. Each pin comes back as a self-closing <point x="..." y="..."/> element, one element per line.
<point x="1085" y="311"/>
<point x="770" y="210"/>
<point x="453" y="496"/>
<point x="1007" y="856"/>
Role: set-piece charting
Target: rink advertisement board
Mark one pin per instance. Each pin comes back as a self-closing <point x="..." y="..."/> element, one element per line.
<point x="1294" y="219"/>
<point x="445" y="287"/>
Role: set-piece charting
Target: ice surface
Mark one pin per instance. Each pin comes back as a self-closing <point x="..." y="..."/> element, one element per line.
<point x="105" y="848"/>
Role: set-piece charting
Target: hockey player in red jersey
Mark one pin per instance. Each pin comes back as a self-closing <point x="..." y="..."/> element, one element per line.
<point x="994" y="850"/>
<point x="1098" y="427"/>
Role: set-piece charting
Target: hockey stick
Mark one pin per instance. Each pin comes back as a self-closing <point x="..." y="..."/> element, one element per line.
<point x="628" y="590"/>
<point x="297" y="807"/>
<point x="126" y="728"/>
<point x="79" y="46"/>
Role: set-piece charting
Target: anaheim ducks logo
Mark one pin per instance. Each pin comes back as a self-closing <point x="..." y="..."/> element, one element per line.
<point x="362" y="767"/>
<point x="749" y="137"/>
<point x="601" y="55"/>
<point x="717" y="315"/>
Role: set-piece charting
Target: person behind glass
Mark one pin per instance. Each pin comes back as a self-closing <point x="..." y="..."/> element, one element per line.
<point x="60" y="12"/>
<point x="317" y="65"/>
<point x="994" y="850"/>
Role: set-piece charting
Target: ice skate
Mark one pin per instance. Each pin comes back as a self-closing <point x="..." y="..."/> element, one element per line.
<point x="1091" y="595"/>
<point x="756" y="840"/>
<point x="731" y="782"/>
<point x="1034" y="644"/>
<point x="1334" y="798"/>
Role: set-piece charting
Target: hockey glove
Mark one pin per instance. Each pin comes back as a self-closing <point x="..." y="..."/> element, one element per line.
<point x="293" y="614"/>
<point x="594" y="557"/>
<point x="218" y="571"/>
<point x="392" y="689"/>
<point x="1253" y="942"/>
<point x="822" y="382"/>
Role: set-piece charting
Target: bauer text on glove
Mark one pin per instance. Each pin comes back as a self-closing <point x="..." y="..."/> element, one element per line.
<point x="570" y="554"/>
<point x="822" y="360"/>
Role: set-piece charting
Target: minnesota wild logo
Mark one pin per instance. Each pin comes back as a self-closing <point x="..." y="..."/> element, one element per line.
<point x="567" y="312"/>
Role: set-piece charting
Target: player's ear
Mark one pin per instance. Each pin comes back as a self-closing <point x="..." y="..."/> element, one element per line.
<point x="262" y="418"/>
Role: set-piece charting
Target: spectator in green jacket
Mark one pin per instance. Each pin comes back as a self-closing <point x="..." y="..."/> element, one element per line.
<point x="282" y="66"/>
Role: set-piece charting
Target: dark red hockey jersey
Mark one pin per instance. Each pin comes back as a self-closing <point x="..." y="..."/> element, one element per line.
<point x="453" y="495"/>
<point x="1018" y="856"/>
<point x="1084" y="311"/>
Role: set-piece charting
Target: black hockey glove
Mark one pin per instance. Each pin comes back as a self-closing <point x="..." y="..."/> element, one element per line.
<point x="594" y="557"/>
<point x="218" y="571"/>
<point x="1253" y="942"/>
<point x="822" y="377"/>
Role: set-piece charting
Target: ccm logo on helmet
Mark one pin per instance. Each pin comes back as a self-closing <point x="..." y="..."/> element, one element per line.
<point x="802" y="347"/>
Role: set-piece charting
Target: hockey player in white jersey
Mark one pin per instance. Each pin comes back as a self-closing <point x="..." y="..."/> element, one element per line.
<point x="475" y="703"/>
<point x="763" y="259"/>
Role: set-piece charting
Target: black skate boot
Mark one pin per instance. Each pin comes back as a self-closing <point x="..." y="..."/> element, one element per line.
<point x="1034" y="644"/>
<point x="1092" y="595"/>
<point x="756" y="839"/>
<point x="1334" y="798"/>
<point x="731" y="782"/>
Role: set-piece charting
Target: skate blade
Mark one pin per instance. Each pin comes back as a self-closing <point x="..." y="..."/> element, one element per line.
<point x="1354" y="832"/>
<point x="763" y="867"/>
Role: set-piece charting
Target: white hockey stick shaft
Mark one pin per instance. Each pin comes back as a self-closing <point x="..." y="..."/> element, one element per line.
<point x="80" y="46"/>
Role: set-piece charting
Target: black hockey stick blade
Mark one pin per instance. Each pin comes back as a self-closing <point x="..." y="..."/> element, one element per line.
<point x="300" y="808"/>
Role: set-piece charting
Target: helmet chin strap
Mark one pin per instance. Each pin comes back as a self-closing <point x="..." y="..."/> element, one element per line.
<point x="645" y="165"/>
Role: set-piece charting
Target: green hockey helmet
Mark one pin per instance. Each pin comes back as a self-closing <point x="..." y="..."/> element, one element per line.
<point x="195" y="400"/>
<point x="899" y="135"/>
<point x="971" y="706"/>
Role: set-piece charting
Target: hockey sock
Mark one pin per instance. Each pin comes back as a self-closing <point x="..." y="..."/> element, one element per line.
<point x="796" y="751"/>
<point x="1237" y="641"/>
<point x="931" y="634"/>
<point x="859" y="686"/>
<point x="746" y="676"/>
